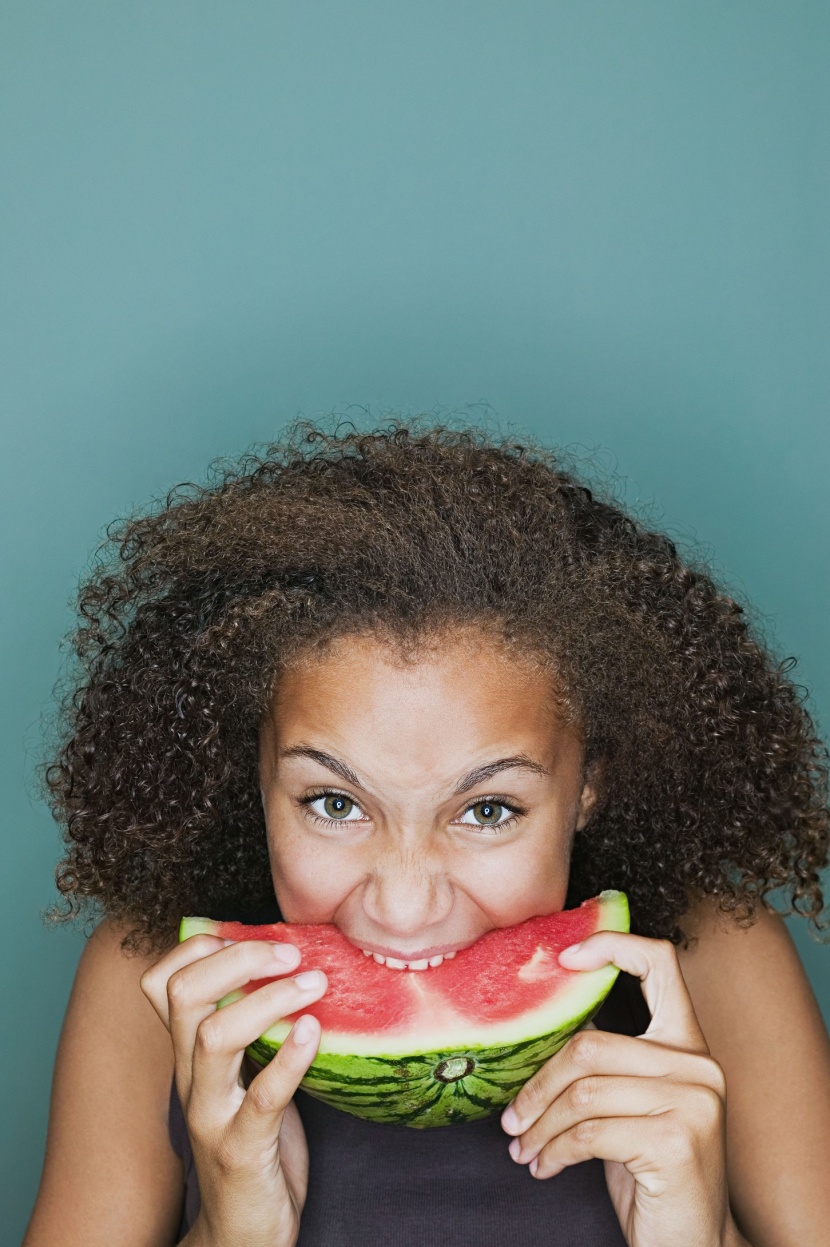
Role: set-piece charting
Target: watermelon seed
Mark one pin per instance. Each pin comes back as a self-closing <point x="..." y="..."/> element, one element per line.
<point x="453" y="1068"/>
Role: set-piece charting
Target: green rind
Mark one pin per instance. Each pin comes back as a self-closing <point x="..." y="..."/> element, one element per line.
<point x="196" y="926"/>
<point x="405" y="1091"/>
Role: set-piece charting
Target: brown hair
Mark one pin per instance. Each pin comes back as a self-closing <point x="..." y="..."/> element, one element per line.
<point x="715" y="783"/>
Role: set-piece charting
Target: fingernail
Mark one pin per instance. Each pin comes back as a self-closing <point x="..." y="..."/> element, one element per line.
<point x="510" y="1120"/>
<point x="572" y="948"/>
<point x="533" y="1166"/>
<point x="304" y="1029"/>
<point x="515" y="1149"/>
<point x="285" y="953"/>
<point x="309" y="980"/>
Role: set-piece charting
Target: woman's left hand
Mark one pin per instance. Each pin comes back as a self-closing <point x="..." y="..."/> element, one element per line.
<point x="651" y="1107"/>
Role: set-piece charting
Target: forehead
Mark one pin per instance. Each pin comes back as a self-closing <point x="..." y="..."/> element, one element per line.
<point x="461" y="696"/>
<point x="456" y="662"/>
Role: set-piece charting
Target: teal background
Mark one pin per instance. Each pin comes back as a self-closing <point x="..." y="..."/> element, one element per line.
<point x="602" y="223"/>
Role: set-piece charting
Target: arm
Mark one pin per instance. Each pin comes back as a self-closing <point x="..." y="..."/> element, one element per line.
<point x="110" y="1174"/>
<point x="763" y="1026"/>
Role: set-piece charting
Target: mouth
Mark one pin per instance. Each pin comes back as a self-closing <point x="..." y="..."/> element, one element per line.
<point x="423" y="960"/>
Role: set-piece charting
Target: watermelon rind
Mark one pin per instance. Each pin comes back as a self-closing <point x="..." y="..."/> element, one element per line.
<point x="443" y="1074"/>
<point x="197" y="926"/>
<point x="408" y="1090"/>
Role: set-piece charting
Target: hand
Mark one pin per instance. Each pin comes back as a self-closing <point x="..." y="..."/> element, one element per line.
<point x="249" y="1145"/>
<point x="651" y="1107"/>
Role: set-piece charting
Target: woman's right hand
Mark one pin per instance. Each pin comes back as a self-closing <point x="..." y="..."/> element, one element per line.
<point x="248" y="1144"/>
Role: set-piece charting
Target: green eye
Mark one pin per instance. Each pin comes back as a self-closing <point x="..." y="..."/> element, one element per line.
<point x="337" y="806"/>
<point x="334" y="807"/>
<point x="486" y="813"/>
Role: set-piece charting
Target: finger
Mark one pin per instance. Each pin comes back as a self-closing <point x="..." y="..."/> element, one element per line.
<point x="595" y="1052"/>
<point x="600" y="1096"/>
<point x="259" y="1118"/>
<point x="193" y="991"/>
<point x="222" y="1037"/>
<point x="655" y="963"/>
<point x="659" y="1145"/>
<point x="154" y="980"/>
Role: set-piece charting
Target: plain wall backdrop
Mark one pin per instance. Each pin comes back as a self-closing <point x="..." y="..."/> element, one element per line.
<point x="606" y="221"/>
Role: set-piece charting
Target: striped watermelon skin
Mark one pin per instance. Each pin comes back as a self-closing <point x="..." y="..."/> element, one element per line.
<point x="426" y="1089"/>
<point x="414" y="1071"/>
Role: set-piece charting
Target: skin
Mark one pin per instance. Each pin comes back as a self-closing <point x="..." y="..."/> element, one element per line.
<point x="417" y="873"/>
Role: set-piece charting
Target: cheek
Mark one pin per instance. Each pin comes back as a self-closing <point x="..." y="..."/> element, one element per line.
<point x="311" y="878"/>
<point x="513" y="882"/>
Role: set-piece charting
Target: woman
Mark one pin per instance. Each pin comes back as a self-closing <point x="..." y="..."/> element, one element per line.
<point x="399" y="611"/>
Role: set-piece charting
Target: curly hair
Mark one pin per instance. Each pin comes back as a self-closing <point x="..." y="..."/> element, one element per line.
<point x="714" y="780"/>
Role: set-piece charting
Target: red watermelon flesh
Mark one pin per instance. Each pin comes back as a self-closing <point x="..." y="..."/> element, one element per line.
<point x="505" y="973"/>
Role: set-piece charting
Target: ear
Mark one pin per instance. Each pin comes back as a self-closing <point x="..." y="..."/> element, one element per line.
<point x="591" y="789"/>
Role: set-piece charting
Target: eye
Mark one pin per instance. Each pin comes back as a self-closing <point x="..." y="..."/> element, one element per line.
<point x="336" y="807"/>
<point x="488" y="813"/>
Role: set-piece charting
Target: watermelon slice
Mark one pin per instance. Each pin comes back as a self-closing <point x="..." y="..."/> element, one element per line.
<point x="448" y="1044"/>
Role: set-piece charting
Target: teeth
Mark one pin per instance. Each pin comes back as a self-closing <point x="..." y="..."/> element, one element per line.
<point x="394" y="963"/>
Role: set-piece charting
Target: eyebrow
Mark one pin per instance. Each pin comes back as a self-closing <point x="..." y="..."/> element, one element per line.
<point x="477" y="776"/>
<point x="519" y="761"/>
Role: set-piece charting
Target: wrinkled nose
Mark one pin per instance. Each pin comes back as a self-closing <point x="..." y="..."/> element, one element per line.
<point x="404" y="897"/>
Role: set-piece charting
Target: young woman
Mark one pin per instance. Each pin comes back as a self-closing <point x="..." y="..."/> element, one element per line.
<point x="423" y="684"/>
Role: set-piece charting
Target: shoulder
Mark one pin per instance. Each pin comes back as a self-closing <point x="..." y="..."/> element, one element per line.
<point x="764" y="1027"/>
<point x="107" y="1007"/>
<point x="109" y="1163"/>
<point x="104" y="960"/>
<point x="730" y="969"/>
<point x="750" y="991"/>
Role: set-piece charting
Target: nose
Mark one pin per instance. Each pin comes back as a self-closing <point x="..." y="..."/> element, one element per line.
<point x="406" y="894"/>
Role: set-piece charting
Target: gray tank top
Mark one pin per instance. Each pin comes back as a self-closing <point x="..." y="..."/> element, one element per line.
<point x="392" y="1186"/>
